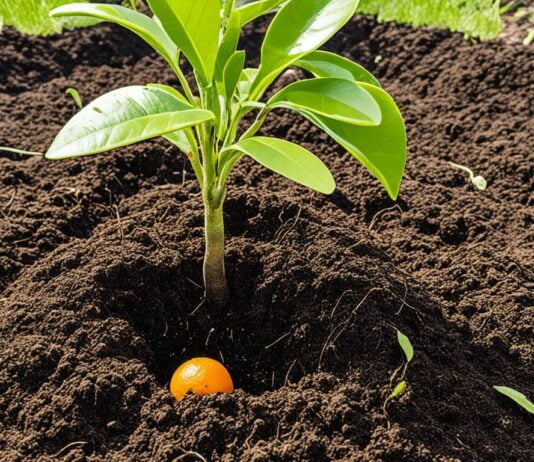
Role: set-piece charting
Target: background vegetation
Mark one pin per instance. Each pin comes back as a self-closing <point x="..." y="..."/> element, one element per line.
<point x="31" y="16"/>
<point x="475" y="18"/>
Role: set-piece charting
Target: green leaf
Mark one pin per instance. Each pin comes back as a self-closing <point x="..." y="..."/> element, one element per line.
<point x="245" y="82"/>
<point x="232" y="73"/>
<point x="406" y="345"/>
<point x="123" y="117"/>
<point x="299" y="28"/>
<point x="381" y="149"/>
<point x="179" y="139"/>
<point x="173" y="91"/>
<point x="140" y="24"/>
<point x="251" y="11"/>
<point x="516" y="396"/>
<point x="325" y="64"/>
<point x="289" y="160"/>
<point x="228" y="44"/>
<point x="194" y="26"/>
<point x="398" y="390"/>
<point x="73" y="93"/>
<point x="336" y="99"/>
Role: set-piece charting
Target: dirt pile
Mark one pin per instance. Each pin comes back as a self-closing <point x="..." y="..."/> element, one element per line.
<point x="100" y="270"/>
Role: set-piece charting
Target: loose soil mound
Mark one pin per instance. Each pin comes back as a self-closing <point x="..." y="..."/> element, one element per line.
<point x="100" y="270"/>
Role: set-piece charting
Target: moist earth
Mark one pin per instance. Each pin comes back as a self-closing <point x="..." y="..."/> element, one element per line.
<point x="100" y="271"/>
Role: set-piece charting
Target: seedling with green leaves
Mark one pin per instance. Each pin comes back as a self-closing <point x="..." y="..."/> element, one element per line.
<point x="205" y="119"/>
<point x="516" y="396"/>
<point x="73" y="93"/>
<point x="407" y="348"/>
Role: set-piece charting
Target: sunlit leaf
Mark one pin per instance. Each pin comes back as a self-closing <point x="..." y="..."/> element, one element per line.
<point x="232" y="73"/>
<point x="406" y="345"/>
<point x="516" y="396"/>
<point x="245" y="82"/>
<point x="300" y="27"/>
<point x="194" y="26"/>
<point x="254" y="10"/>
<point x="173" y="91"/>
<point x="337" y="99"/>
<point x="325" y="64"/>
<point x="228" y="44"/>
<point x="289" y="160"/>
<point x="381" y="149"/>
<point x="140" y="24"/>
<point x="124" y="117"/>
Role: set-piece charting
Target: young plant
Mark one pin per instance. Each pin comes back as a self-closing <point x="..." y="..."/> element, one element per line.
<point x="478" y="181"/>
<point x="516" y="396"/>
<point x="73" y="93"/>
<point x="205" y="120"/>
<point x="407" y="348"/>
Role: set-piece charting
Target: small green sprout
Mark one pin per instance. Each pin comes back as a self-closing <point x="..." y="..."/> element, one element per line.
<point x="21" y="151"/>
<point x="478" y="181"/>
<point x="398" y="390"/>
<point x="529" y="38"/>
<point x="206" y="121"/>
<point x="401" y="386"/>
<point x="407" y="348"/>
<point x="516" y="396"/>
<point x="73" y="93"/>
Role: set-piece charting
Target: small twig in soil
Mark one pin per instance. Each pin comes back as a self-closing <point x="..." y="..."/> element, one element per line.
<point x="246" y="443"/>
<point x="184" y="172"/>
<point x="382" y="212"/>
<point x="21" y="151"/>
<point x="198" y="307"/>
<point x="194" y="283"/>
<point x="338" y="302"/>
<point x="164" y="215"/>
<point x="280" y="235"/>
<point x="343" y="326"/>
<point x="10" y="202"/>
<point x="289" y="371"/>
<point x="404" y="302"/>
<point x="119" y="223"/>
<point x="209" y="335"/>
<point x="277" y="436"/>
<point x="278" y="340"/>
<point x="166" y="328"/>
<point x="68" y="446"/>
<point x="403" y="299"/>
<point x="189" y="453"/>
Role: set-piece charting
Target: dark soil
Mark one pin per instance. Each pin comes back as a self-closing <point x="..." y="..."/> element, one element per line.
<point x="100" y="268"/>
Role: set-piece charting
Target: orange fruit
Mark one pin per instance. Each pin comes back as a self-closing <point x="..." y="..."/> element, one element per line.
<point x="202" y="376"/>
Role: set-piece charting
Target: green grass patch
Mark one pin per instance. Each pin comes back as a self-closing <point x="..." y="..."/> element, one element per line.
<point x="31" y="16"/>
<point x="475" y="18"/>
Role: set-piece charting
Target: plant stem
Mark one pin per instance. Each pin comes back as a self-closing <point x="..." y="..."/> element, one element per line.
<point x="214" y="271"/>
<point x="181" y="78"/>
<point x="256" y="125"/>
